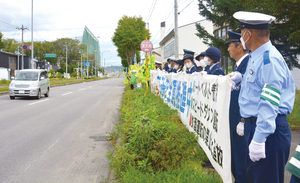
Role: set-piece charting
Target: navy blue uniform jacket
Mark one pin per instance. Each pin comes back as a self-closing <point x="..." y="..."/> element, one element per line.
<point x="239" y="145"/>
<point x="216" y="70"/>
<point x="193" y="69"/>
<point x="234" y="110"/>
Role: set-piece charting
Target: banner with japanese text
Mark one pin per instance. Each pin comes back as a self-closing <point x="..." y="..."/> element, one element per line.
<point x="203" y="105"/>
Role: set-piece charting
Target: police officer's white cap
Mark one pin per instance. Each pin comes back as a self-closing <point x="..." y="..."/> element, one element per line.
<point x="133" y="71"/>
<point x="253" y="20"/>
<point x="172" y="59"/>
<point x="158" y="62"/>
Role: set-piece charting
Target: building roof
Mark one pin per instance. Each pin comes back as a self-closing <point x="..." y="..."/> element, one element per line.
<point x="14" y="54"/>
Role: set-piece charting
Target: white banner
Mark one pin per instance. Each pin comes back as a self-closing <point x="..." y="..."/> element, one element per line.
<point x="203" y="105"/>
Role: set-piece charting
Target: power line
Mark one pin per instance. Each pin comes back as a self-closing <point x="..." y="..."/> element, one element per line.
<point x="170" y="27"/>
<point x="186" y="6"/>
<point x="8" y="24"/>
<point x="152" y="11"/>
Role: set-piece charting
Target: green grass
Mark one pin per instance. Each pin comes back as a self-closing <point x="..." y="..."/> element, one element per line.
<point x="294" y="117"/>
<point x="57" y="81"/>
<point x="4" y="88"/>
<point x="155" y="146"/>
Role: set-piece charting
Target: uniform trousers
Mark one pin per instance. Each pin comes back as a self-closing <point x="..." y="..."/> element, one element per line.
<point x="277" y="149"/>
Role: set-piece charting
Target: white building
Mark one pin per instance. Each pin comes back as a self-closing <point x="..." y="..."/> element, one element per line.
<point x="187" y="39"/>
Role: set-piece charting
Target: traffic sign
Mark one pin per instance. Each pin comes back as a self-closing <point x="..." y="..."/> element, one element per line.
<point x="83" y="70"/>
<point x="146" y="46"/>
<point x="30" y="47"/>
<point x="24" y="47"/>
<point x="87" y="64"/>
<point x="50" y="54"/>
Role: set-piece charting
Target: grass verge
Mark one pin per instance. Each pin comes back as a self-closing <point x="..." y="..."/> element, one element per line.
<point x="57" y="81"/>
<point x="294" y="117"/>
<point x="155" y="146"/>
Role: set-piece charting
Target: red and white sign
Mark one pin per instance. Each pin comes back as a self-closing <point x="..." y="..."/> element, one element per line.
<point x="30" y="47"/>
<point x="146" y="46"/>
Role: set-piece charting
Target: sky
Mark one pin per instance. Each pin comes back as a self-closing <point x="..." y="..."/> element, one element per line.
<point x="57" y="19"/>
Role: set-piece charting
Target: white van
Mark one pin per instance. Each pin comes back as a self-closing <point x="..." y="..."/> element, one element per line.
<point x="30" y="83"/>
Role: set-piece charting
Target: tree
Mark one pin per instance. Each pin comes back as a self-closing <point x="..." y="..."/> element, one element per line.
<point x="1" y="41"/>
<point x="129" y="34"/>
<point x="11" y="45"/>
<point x="285" y="31"/>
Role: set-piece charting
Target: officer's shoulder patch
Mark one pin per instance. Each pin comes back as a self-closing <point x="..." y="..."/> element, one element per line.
<point x="266" y="57"/>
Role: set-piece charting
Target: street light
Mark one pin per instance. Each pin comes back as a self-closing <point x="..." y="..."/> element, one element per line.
<point x="102" y="56"/>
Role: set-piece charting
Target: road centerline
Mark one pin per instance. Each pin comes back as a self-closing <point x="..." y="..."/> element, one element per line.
<point x="38" y="102"/>
<point x="67" y="93"/>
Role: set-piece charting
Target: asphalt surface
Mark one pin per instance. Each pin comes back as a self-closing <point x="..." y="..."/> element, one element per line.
<point x="60" y="138"/>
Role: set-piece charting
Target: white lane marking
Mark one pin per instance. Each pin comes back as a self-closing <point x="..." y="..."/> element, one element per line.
<point x="67" y="93"/>
<point x="90" y="86"/>
<point x="38" y="102"/>
<point x="52" y="144"/>
<point x="81" y="89"/>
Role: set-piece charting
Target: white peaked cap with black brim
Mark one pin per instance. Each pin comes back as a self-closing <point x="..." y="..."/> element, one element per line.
<point x="253" y="20"/>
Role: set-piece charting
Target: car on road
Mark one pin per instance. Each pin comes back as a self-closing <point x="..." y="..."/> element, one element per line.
<point x="30" y="83"/>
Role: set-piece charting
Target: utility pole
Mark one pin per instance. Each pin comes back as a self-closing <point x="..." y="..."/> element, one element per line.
<point x="176" y="28"/>
<point x="23" y="28"/>
<point x="19" y="57"/>
<point x="66" y="60"/>
<point x="32" y="34"/>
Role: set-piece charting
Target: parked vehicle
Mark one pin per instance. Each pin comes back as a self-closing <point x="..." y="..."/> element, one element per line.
<point x="30" y="83"/>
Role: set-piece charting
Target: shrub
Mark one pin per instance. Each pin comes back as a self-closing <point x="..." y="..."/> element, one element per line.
<point x="3" y="81"/>
<point x="153" y="140"/>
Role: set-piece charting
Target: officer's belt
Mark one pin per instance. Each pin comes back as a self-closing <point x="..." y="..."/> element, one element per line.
<point x="253" y="119"/>
<point x="246" y="120"/>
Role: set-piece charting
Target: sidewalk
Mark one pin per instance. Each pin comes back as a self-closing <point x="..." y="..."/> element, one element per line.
<point x="295" y="142"/>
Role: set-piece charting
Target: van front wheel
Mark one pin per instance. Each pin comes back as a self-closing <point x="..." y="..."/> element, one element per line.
<point x="39" y="95"/>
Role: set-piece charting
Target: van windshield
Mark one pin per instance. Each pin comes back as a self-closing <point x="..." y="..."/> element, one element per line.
<point x="27" y="76"/>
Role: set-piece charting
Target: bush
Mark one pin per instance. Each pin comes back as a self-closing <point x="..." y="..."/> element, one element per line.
<point x="153" y="139"/>
<point x="3" y="81"/>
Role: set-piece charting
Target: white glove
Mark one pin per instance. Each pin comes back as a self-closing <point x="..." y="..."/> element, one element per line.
<point x="195" y="73"/>
<point x="236" y="77"/>
<point x="240" y="129"/>
<point x="203" y="73"/>
<point x="257" y="151"/>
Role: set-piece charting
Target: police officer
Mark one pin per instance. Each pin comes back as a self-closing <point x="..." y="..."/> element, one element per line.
<point x="158" y="65"/>
<point x="189" y="63"/>
<point x="167" y="65"/>
<point x="202" y="66"/>
<point x="172" y="61"/>
<point x="180" y="66"/>
<point x="267" y="95"/>
<point x="238" y="142"/>
<point x="211" y="57"/>
<point x="185" y="51"/>
<point x="177" y="66"/>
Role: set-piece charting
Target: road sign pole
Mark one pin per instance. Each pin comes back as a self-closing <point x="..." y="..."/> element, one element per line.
<point x="146" y="46"/>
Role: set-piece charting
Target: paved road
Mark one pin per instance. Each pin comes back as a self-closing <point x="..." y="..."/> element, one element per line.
<point x="59" y="138"/>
